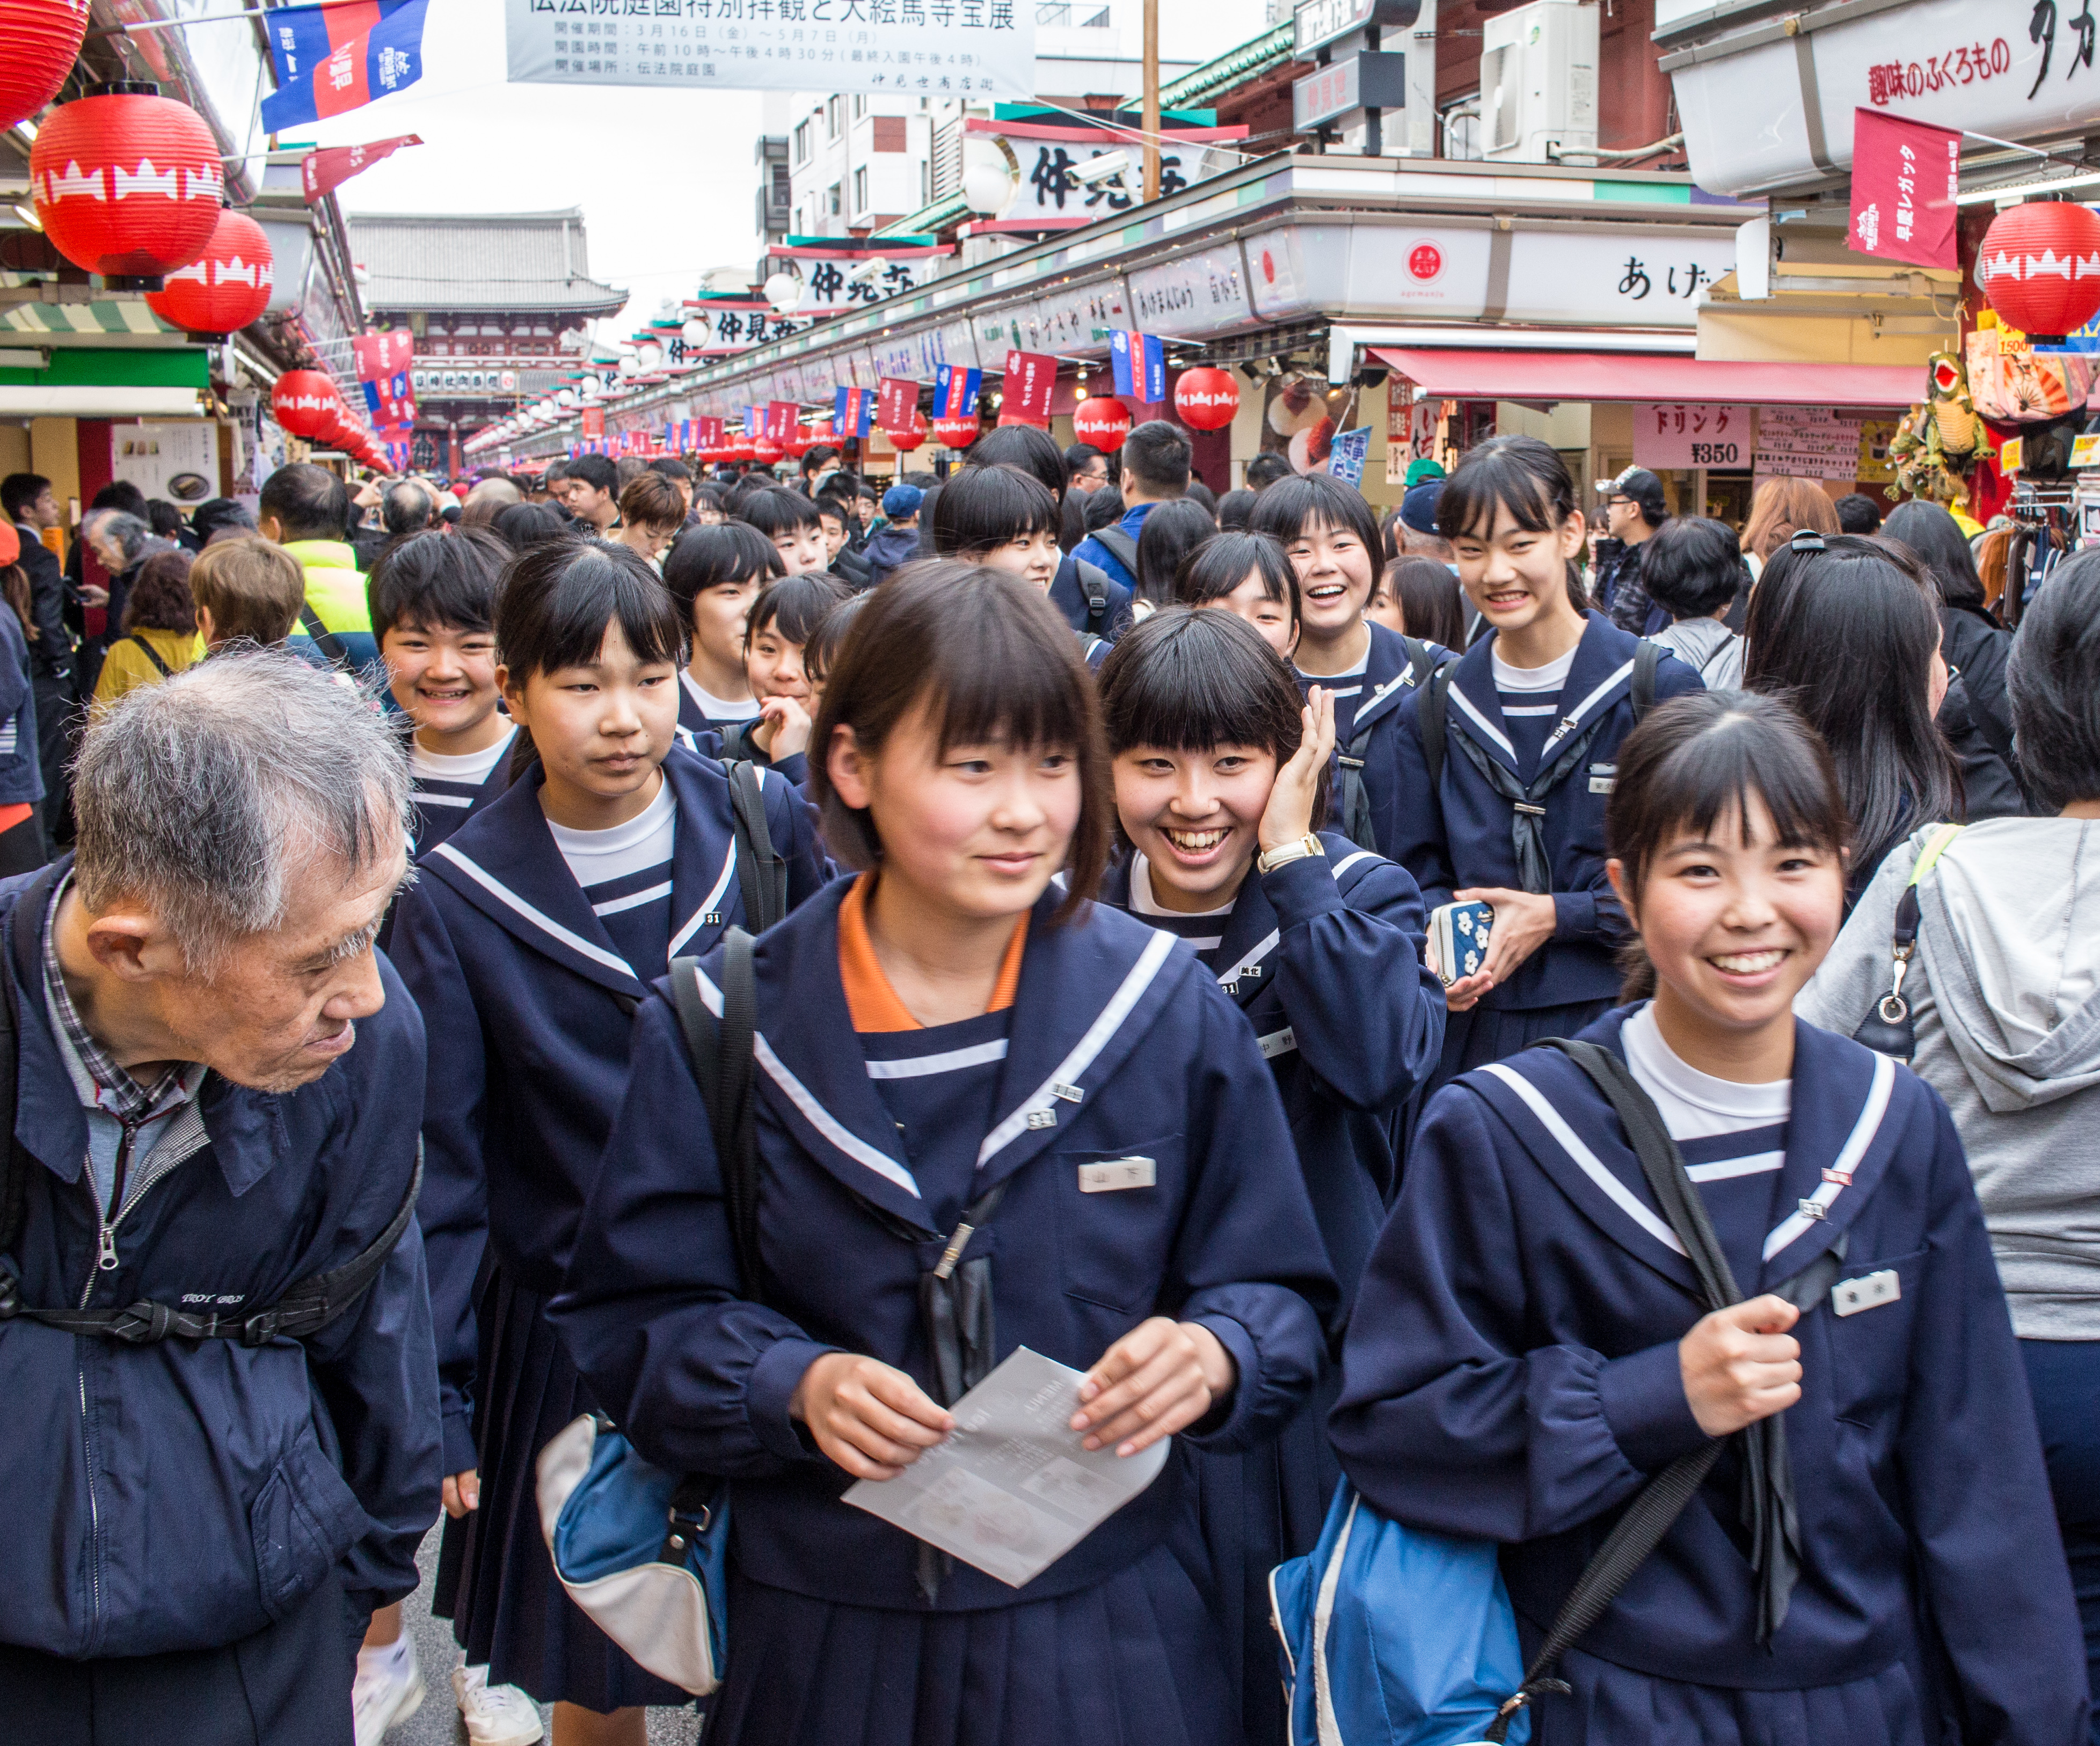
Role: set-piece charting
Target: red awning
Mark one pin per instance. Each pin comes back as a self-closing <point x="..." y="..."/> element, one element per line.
<point x="1483" y="375"/>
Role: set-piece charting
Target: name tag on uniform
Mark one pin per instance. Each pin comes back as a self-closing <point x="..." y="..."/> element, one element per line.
<point x="1111" y="1174"/>
<point x="1276" y="1042"/>
<point x="1848" y="1297"/>
<point x="1602" y="776"/>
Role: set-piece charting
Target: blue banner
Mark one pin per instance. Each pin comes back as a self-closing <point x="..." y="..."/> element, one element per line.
<point x="1139" y="361"/>
<point x="955" y="390"/>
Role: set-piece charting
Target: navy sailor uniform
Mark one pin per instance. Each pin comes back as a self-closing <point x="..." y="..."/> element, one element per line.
<point x="1119" y="1045"/>
<point x="1367" y="699"/>
<point x="1511" y="1373"/>
<point x="529" y="998"/>
<point x="1324" y="957"/>
<point x="448" y="790"/>
<point x="1464" y="837"/>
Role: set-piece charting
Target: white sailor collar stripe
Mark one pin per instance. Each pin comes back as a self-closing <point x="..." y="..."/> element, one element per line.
<point x="1586" y="1160"/>
<point x="588" y="949"/>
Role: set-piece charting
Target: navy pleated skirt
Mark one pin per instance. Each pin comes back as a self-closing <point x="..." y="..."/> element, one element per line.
<point x="1132" y="1661"/>
<point x="1473" y="1039"/>
<point x="496" y="1580"/>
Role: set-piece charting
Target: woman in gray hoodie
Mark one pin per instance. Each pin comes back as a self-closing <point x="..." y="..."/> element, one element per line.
<point x="2003" y="990"/>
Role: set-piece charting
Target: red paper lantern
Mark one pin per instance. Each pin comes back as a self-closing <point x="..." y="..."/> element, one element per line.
<point x="767" y="450"/>
<point x="2039" y="266"/>
<point x="127" y="183"/>
<point x="1103" y="421"/>
<point x="956" y="433"/>
<point x="799" y="442"/>
<point x="300" y="398"/>
<point x="905" y="441"/>
<point x="42" y="36"/>
<point x="741" y="451"/>
<point x="822" y="436"/>
<point x="227" y="288"/>
<point x="1206" y="398"/>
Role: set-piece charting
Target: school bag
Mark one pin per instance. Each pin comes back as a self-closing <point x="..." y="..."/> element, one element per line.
<point x="1394" y="1635"/>
<point x="1094" y="584"/>
<point x="1120" y="546"/>
<point x="1352" y="802"/>
<point x="1890" y="1028"/>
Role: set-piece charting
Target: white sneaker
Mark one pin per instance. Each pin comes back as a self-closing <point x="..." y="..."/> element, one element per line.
<point x="495" y="1715"/>
<point x="389" y="1690"/>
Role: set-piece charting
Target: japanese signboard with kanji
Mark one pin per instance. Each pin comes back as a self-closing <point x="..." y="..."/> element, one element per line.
<point x="1679" y="433"/>
<point x="976" y="50"/>
<point x="897" y="406"/>
<point x="847" y="282"/>
<point x="1807" y="442"/>
<point x="732" y="325"/>
<point x="1904" y="177"/>
<point x="1031" y="379"/>
<point x="1050" y="189"/>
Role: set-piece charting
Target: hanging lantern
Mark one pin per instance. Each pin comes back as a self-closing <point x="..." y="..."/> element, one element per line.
<point x="799" y="442"/>
<point x="956" y="433"/>
<point x="767" y="450"/>
<point x="227" y="287"/>
<point x="127" y="183"/>
<point x="42" y="36"/>
<point x="2039" y="266"/>
<point x="904" y="442"/>
<point x="299" y="398"/>
<point x="1102" y="421"/>
<point x="1206" y="398"/>
<point x="743" y="449"/>
<point x="822" y="435"/>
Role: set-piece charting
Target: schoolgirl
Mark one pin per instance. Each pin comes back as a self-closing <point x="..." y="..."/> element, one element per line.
<point x="527" y="940"/>
<point x="949" y="1048"/>
<point x="790" y="522"/>
<point x="1508" y="759"/>
<point x="1090" y="599"/>
<point x="783" y="618"/>
<point x="1248" y="575"/>
<point x="1872" y="1557"/>
<point x="714" y="572"/>
<point x="1221" y="778"/>
<point x="1005" y="519"/>
<point x="1175" y="530"/>
<point x="1332" y="539"/>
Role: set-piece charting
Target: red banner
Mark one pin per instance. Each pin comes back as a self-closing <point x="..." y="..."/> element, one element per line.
<point x="322" y="173"/>
<point x="897" y="405"/>
<point x="1031" y="376"/>
<point x="379" y="354"/>
<point x="593" y="420"/>
<point x="707" y="433"/>
<point x="1905" y="175"/>
<point x="781" y="418"/>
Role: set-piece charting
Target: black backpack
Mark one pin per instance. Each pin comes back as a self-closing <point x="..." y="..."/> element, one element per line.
<point x="1351" y="802"/>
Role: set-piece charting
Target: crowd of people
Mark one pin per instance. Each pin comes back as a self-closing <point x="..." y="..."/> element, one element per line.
<point x="1166" y="908"/>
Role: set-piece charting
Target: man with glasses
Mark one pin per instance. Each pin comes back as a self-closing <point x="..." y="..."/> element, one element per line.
<point x="1086" y="468"/>
<point x="1634" y="507"/>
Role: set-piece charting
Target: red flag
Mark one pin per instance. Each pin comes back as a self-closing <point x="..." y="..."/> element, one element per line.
<point x="1031" y="377"/>
<point x="1905" y="175"/>
<point x="323" y="172"/>
<point x="781" y="418"/>
<point x="897" y="407"/>
<point x="709" y="432"/>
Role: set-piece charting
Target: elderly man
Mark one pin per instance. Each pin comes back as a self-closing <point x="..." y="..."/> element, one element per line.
<point x="223" y="1436"/>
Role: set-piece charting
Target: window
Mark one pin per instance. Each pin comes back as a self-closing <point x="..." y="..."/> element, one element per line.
<point x="925" y="182"/>
<point x="860" y="107"/>
<point x="802" y="141"/>
<point x="831" y="118"/>
<point x="860" y="189"/>
<point x="831" y="197"/>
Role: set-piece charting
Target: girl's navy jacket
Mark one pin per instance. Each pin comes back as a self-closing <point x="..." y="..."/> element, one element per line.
<point x="529" y="1006"/>
<point x="1511" y="1373"/>
<point x="1121" y="1045"/>
<point x="1462" y="837"/>
<point x="185" y="1494"/>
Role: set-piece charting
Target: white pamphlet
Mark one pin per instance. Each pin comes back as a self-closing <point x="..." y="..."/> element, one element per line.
<point x="1012" y="1491"/>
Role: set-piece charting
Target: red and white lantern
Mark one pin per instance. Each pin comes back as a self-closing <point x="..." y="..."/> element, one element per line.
<point x="767" y="450"/>
<point x="2039" y="266"/>
<point x="1205" y="399"/>
<point x="1102" y="421"/>
<point x="905" y="441"/>
<point x="302" y="400"/>
<point x="42" y="38"/>
<point x="127" y="183"/>
<point x="225" y="289"/>
<point x="956" y="433"/>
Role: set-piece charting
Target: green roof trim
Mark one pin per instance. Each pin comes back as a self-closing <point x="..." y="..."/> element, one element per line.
<point x="1235" y="67"/>
<point x="927" y="221"/>
<point x="1035" y="112"/>
<point x="101" y="367"/>
<point x="1646" y="193"/>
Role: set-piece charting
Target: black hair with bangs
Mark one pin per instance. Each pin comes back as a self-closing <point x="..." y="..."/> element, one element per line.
<point x="989" y="660"/>
<point x="436" y="580"/>
<point x="775" y="510"/>
<point x="983" y="508"/>
<point x="718" y="554"/>
<point x="793" y="606"/>
<point x="557" y="600"/>
<point x="1520" y="474"/>
<point x="1171" y="531"/>
<point x="820" y="651"/>
<point x="1221" y="563"/>
<point x="1027" y="447"/>
<point x="1290" y="507"/>
<point x="1188" y="680"/>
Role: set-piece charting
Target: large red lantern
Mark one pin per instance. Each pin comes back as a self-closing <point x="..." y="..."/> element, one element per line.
<point x="1103" y="421"/>
<point x="2039" y="266"/>
<point x="767" y="450"/>
<point x="799" y="442"/>
<point x="42" y="36"/>
<point x="905" y="441"/>
<point x="822" y="435"/>
<point x="301" y="398"/>
<point x="127" y="183"/>
<point x="227" y="288"/>
<point x="742" y="450"/>
<point x="956" y="433"/>
<point x="1206" y="398"/>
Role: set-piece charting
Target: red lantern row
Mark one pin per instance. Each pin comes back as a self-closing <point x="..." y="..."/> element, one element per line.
<point x="1101" y="421"/>
<point x="956" y="433"/>
<point x="42" y="38"/>
<point x="224" y="289"/>
<point x="127" y="183"/>
<point x="2039" y="266"/>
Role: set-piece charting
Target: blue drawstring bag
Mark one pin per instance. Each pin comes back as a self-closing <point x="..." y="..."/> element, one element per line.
<point x="1393" y="1636"/>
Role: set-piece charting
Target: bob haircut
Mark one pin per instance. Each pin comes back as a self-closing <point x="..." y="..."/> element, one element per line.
<point x="1101" y="508"/>
<point x="1222" y="562"/>
<point x="795" y="605"/>
<point x="820" y="651"/>
<point x="1782" y="508"/>
<point x="160" y="597"/>
<point x="1171" y="532"/>
<point x="1521" y="474"/>
<point x="1186" y="680"/>
<point x="1845" y="630"/>
<point x="1433" y="607"/>
<point x="1027" y="449"/>
<point x="651" y="500"/>
<point x="252" y="587"/>
<point x="1692" y="566"/>
<point x="719" y="555"/>
<point x="983" y="508"/>
<point x="435" y="580"/>
<point x="1928" y="530"/>
<point x="558" y="600"/>
<point x="520" y="525"/>
<point x="1290" y="507"/>
<point x="774" y="510"/>
<point x="1233" y="509"/>
<point x="2053" y="679"/>
<point x="988" y="659"/>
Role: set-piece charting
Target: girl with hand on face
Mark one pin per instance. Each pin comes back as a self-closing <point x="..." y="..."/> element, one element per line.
<point x="1870" y="1559"/>
<point x="1529" y="722"/>
<point x="1248" y="575"/>
<point x="529" y="937"/>
<point x="949" y="1046"/>
<point x="1221" y="780"/>
<point x="782" y="620"/>
<point x="715" y="573"/>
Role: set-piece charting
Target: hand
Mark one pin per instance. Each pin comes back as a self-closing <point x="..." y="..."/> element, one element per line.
<point x="1740" y="1365"/>
<point x="1289" y="814"/>
<point x="91" y="594"/>
<point x="462" y="1493"/>
<point x="367" y="494"/>
<point x="1464" y="994"/>
<point x="1524" y="920"/>
<point x="782" y="728"/>
<point x="870" y="1419"/>
<point x="1162" y="1375"/>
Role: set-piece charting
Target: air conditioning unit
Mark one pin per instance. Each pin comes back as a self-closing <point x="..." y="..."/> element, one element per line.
<point x="1538" y="83"/>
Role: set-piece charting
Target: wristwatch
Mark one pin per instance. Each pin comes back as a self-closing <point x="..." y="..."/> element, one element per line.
<point x="1284" y="853"/>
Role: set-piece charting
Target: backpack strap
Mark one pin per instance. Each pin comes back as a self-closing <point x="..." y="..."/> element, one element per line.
<point x="761" y="875"/>
<point x="722" y="1054"/>
<point x="153" y="654"/>
<point x="1094" y="584"/>
<point x="1429" y="722"/>
<point x="1889" y="1028"/>
<point x="1647" y="658"/>
<point x="1120" y="546"/>
<point x="323" y="639"/>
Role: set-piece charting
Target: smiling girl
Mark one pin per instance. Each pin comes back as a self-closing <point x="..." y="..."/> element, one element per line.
<point x="1877" y="1565"/>
<point x="1528" y="723"/>
<point x="950" y="1046"/>
<point x="1248" y="575"/>
<point x="531" y="936"/>
<point x="783" y="618"/>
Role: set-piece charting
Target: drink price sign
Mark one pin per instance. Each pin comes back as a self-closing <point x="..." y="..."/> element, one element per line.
<point x="1681" y="435"/>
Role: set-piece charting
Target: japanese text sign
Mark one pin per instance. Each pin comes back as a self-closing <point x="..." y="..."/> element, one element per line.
<point x="1138" y="362"/>
<point x="1905" y="175"/>
<point x="1677" y="434"/>
<point x="897" y="405"/>
<point x="1030" y="378"/>
<point x="853" y="412"/>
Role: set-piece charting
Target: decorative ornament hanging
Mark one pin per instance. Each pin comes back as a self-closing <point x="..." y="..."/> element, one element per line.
<point x="226" y="287"/>
<point x="127" y="183"/>
<point x="767" y="450"/>
<point x="904" y="442"/>
<point x="799" y="442"/>
<point x="957" y="433"/>
<point x="1205" y="399"/>
<point x="1102" y="421"/>
<point x="42" y="38"/>
<point x="300" y="398"/>
<point x="2039" y="266"/>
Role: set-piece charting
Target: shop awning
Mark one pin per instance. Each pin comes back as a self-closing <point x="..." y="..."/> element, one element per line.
<point x="1485" y="375"/>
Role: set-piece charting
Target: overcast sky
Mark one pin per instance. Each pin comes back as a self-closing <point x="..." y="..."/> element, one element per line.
<point x="665" y="179"/>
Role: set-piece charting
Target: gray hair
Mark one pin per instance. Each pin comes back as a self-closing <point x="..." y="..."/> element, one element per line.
<point x="202" y="796"/>
<point x="133" y="538"/>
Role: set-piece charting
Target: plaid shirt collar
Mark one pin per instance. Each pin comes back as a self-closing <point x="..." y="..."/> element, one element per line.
<point x="115" y="1091"/>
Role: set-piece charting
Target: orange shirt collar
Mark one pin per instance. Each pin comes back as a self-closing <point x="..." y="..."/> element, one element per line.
<point x="870" y="1002"/>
